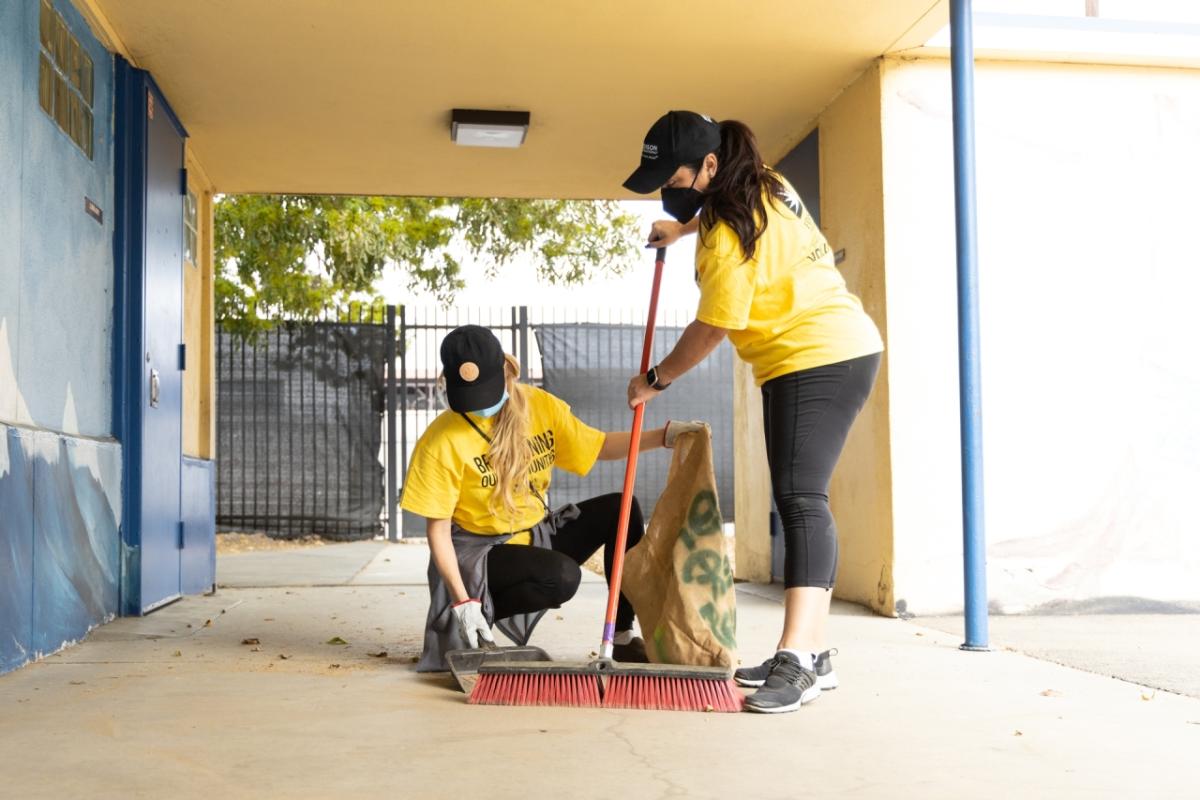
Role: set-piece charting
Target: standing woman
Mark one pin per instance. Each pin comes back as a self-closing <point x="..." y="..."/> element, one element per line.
<point x="768" y="282"/>
<point x="480" y="475"/>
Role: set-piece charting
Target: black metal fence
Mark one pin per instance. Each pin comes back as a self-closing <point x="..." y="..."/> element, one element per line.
<point x="304" y="437"/>
<point x="299" y="412"/>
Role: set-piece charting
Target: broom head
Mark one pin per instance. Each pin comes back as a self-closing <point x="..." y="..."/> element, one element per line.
<point x="605" y="683"/>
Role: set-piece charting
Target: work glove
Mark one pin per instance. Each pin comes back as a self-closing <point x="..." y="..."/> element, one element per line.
<point x="471" y="622"/>
<point x="675" y="428"/>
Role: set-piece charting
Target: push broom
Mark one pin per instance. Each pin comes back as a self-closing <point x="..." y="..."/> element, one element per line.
<point x="603" y="682"/>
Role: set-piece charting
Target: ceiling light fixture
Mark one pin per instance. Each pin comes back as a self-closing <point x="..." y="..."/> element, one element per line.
<point x="474" y="128"/>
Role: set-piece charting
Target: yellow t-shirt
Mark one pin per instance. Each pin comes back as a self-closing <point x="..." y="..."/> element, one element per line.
<point x="450" y="477"/>
<point x="788" y="308"/>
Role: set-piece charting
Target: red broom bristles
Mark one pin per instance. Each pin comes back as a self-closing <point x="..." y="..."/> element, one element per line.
<point x="671" y="694"/>
<point x="622" y="691"/>
<point x="524" y="689"/>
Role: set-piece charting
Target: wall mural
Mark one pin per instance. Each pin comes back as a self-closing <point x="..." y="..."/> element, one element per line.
<point x="59" y="540"/>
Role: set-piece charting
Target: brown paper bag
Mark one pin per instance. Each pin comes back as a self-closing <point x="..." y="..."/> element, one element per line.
<point x="678" y="577"/>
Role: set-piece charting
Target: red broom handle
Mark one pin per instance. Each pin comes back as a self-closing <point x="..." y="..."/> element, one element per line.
<point x="635" y="437"/>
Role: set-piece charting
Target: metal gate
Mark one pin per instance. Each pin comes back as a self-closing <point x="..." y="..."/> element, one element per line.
<point x="299" y="426"/>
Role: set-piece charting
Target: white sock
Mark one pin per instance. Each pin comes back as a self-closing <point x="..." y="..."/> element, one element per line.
<point x="805" y="659"/>
<point x="623" y="637"/>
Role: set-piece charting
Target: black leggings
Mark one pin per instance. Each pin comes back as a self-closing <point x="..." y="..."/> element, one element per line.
<point x="807" y="416"/>
<point x="524" y="579"/>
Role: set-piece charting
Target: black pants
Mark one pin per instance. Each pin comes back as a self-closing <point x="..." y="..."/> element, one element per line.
<point x="524" y="579"/>
<point x="807" y="416"/>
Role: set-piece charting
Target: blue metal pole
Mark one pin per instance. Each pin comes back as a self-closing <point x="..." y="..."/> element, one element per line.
<point x="962" y="73"/>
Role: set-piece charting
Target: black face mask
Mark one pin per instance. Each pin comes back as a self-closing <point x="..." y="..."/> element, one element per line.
<point x="683" y="204"/>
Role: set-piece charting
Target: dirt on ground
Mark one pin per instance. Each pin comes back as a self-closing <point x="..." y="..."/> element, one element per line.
<point x="232" y="542"/>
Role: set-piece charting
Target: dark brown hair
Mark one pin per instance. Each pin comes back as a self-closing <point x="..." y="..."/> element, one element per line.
<point x="735" y="194"/>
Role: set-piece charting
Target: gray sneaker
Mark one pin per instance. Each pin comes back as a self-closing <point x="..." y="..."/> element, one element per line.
<point x="822" y="665"/>
<point x="788" y="687"/>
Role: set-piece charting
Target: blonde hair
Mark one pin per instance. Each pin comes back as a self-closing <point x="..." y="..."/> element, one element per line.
<point x="509" y="453"/>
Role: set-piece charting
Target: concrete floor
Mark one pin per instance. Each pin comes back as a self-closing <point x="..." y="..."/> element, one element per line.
<point x="1160" y="651"/>
<point x="175" y="705"/>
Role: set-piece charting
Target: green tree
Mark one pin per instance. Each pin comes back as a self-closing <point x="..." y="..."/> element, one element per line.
<point x="295" y="254"/>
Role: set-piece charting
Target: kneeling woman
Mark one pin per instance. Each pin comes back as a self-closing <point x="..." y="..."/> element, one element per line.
<point x="480" y="476"/>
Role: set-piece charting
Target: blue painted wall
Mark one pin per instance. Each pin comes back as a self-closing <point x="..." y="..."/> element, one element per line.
<point x="198" y="507"/>
<point x="60" y="499"/>
<point x="56" y="262"/>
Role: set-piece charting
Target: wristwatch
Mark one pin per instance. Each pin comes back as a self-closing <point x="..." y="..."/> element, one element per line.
<point x="652" y="379"/>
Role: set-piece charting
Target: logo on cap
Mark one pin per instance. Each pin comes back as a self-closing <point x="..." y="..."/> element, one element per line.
<point x="650" y="151"/>
<point x="469" y="371"/>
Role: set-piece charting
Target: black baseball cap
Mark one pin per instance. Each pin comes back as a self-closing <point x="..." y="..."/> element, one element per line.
<point x="473" y="365"/>
<point x="678" y="138"/>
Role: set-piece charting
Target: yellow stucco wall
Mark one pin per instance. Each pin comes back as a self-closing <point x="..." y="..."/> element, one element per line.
<point x="199" y="385"/>
<point x="851" y="164"/>
<point x="852" y="218"/>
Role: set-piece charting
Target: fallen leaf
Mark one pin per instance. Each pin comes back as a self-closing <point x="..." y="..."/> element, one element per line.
<point x="1051" y="693"/>
<point x="402" y="594"/>
<point x="335" y="666"/>
<point x="918" y="633"/>
<point x="708" y="708"/>
<point x="208" y="623"/>
<point x="337" y="640"/>
<point x="282" y="657"/>
<point x="251" y="640"/>
<point x="255" y="649"/>
<point x="380" y="654"/>
<point x="177" y="654"/>
<point x="558" y="616"/>
<point x="1017" y="733"/>
<point x="1150" y="696"/>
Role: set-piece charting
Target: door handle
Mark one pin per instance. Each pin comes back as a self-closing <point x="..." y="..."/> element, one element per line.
<point x="154" y="388"/>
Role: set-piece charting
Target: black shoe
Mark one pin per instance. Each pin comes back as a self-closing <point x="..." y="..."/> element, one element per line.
<point x="755" y="676"/>
<point x="788" y="687"/>
<point x="632" y="653"/>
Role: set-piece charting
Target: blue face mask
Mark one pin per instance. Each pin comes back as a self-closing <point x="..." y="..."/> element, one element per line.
<point x="494" y="410"/>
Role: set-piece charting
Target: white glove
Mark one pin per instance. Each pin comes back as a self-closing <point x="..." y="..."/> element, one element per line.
<point x="675" y="428"/>
<point x="471" y="622"/>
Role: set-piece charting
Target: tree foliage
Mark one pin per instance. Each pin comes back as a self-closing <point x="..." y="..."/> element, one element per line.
<point x="295" y="254"/>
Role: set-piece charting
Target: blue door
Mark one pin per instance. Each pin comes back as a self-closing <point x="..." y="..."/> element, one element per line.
<point x="162" y="400"/>
<point x="148" y="334"/>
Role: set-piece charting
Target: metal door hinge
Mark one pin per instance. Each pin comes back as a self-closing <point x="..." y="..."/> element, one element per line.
<point x="182" y="357"/>
<point x="180" y="543"/>
<point x="183" y="181"/>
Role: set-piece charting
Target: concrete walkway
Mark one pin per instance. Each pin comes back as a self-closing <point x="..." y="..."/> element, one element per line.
<point x="176" y="705"/>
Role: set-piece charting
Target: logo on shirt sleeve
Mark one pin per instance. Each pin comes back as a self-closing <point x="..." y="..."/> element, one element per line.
<point x="791" y="199"/>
